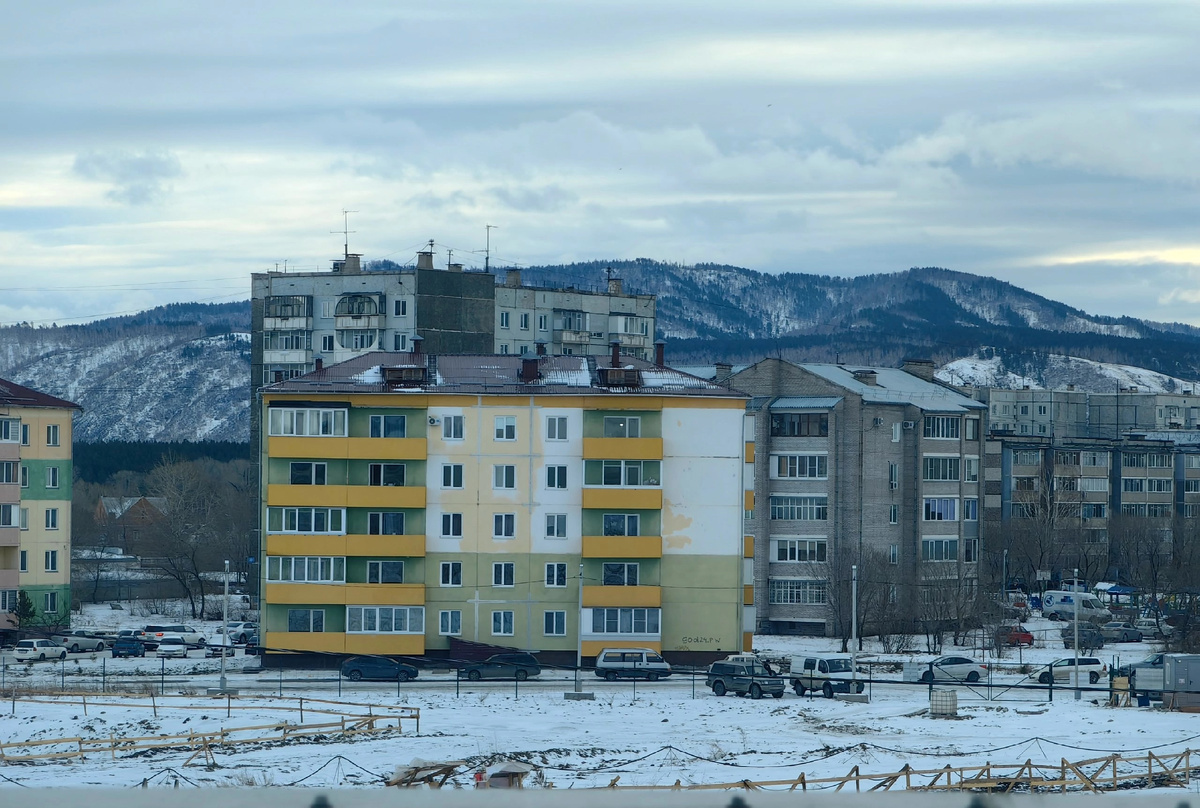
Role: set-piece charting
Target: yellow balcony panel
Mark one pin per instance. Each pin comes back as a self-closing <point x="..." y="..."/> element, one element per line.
<point x="748" y="595"/>
<point x="622" y="596"/>
<point x="385" y="546"/>
<point x="307" y="496"/>
<point x="642" y="499"/>
<point x="747" y="641"/>
<point x="622" y="547"/>
<point x="317" y="594"/>
<point x="747" y="547"/>
<point x="622" y="448"/>
<point x="386" y="448"/>
<point x="318" y="642"/>
<point x="385" y="496"/>
<point x="749" y="451"/>
<point x="310" y="447"/>
<point x="301" y="545"/>
<point x="592" y="648"/>
<point x="385" y="594"/>
<point x="748" y="500"/>
<point x="386" y="644"/>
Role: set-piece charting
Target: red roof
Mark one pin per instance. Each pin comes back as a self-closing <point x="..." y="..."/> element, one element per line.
<point x="14" y="395"/>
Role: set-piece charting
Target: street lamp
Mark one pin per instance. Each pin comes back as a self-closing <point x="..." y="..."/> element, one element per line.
<point x="225" y="626"/>
<point x="1075" y="599"/>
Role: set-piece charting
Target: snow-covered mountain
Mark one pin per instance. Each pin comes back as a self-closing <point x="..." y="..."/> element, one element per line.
<point x="1058" y="371"/>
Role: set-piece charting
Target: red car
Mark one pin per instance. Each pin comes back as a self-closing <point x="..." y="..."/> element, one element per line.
<point x="1014" y="635"/>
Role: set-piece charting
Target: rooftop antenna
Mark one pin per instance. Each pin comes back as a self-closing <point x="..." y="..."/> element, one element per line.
<point x="487" y="250"/>
<point x="449" y="257"/>
<point x="346" y="231"/>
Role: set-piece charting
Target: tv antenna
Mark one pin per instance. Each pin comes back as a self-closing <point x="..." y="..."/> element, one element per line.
<point x="487" y="250"/>
<point x="346" y="231"/>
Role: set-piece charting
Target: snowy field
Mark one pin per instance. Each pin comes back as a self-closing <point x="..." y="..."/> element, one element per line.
<point x="651" y="734"/>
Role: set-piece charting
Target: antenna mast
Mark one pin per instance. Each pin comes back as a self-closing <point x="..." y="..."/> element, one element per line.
<point x="487" y="250"/>
<point x="346" y="231"/>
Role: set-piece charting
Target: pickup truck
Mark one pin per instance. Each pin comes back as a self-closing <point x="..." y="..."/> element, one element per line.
<point x="81" y="640"/>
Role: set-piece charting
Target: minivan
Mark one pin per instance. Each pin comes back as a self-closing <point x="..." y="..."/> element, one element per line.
<point x="1060" y="605"/>
<point x="631" y="663"/>
<point x="828" y="674"/>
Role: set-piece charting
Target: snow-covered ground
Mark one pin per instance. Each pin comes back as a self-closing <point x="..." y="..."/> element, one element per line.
<point x="1061" y="370"/>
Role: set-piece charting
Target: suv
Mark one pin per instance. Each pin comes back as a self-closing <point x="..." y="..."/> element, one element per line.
<point x="29" y="650"/>
<point x="742" y="678"/>
<point x="517" y="666"/>
<point x="128" y="646"/>
<point x="828" y="674"/>
<point x="1090" y="637"/>
<point x="1064" y="669"/>
<point x="189" y="635"/>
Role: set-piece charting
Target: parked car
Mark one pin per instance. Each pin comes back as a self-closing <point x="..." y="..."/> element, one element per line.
<point x="189" y="635"/>
<point x="631" y="663"/>
<point x="172" y="645"/>
<point x="1155" y="629"/>
<point x="827" y="673"/>
<point x="954" y="669"/>
<point x="239" y="632"/>
<point x="377" y="668"/>
<point x="29" y="650"/>
<point x="1152" y="661"/>
<point x="1061" y="605"/>
<point x="1120" y="631"/>
<point x="519" y="666"/>
<point x="81" y="640"/>
<point x="252" y="646"/>
<point x="222" y="647"/>
<point x="148" y="640"/>
<point x="1014" y="635"/>
<point x="1090" y="637"/>
<point x="128" y="646"/>
<point x="743" y="678"/>
<point x="1064" y="669"/>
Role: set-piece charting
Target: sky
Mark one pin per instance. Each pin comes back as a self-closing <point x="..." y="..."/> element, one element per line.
<point x="161" y="152"/>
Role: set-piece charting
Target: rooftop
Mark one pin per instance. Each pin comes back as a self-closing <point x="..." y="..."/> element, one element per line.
<point x="895" y="386"/>
<point x="14" y="395"/>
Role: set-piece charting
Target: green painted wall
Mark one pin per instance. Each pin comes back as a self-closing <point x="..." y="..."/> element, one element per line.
<point x="593" y="521"/>
<point x="360" y="470"/>
<point x="356" y="569"/>
<point x="415" y="423"/>
<point x="593" y="422"/>
<point x="701" y="603"/>
<point x="276" y="620"/>
<point x="358" y="520"/>
<point x="37" y="480"/>
<point x="38" y="595"/>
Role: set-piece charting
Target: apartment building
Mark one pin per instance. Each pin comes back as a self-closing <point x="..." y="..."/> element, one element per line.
<point x="548" y="503"/>
<point x="857" y="465"/>
<point x="35" y="503"/>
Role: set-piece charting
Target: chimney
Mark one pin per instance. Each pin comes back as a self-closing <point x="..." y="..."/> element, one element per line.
<point x="723" y="370"/>
<point x="1070" y="388"/>
<point x="352" y="265"/>
<point x="320" y="362"/>
<point x="867" y="376"/>
<point x="660" y="351"/>
<point x="454" y="267"/>
<point x="614" y="286"/>
<point x="921" y="368"/>
<point x="512" y="279"/>
<point x="540" y="346"/>
<point x="416" y="345"/>
<point x="616" y="353"/>
<point x="529" y="369"/>
<point x="425" y="259"/>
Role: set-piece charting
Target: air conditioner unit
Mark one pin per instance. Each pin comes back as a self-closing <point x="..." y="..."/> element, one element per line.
<point x="877" y="422"/>
<point x="910" y="424"/>
<point x="433" y="421"/>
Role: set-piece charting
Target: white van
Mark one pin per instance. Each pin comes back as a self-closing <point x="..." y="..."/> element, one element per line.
<point x="631" y="663"/>
<point x="1058" y="604"/>
<point x="824" y="673"/>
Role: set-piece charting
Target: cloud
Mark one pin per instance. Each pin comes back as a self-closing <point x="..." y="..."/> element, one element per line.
<point x="137" y="178"/>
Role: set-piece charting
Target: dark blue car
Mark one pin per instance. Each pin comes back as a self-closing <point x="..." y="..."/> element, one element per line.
<point x="377" y="668"/>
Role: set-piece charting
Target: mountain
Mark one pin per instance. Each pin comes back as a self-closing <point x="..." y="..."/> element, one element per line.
<point x="181" y="372"/>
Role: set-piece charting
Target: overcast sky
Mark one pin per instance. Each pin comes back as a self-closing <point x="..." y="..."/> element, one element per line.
<point x="155" y="152"/>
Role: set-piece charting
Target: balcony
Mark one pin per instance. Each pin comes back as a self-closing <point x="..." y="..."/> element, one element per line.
<point x="287" y="357"/>
<point x="287" y="324"/>
<point x="622" y="449"/>
<point x="622" y="547"/>
<point x="315" y="642"/>
<point x="10" y="537"/>
<point x="350" y="448"/>
<point x="629" y="340"/>
<point x="342" y="594"/>
<point x="592" y="648"/>
<point x="9" y="578"/>
<point x="573" y="337"/>
<point x="622" y="596"/>
<point x="386" y="644"/>
<point x="346" y="496"/>
<point x="636" y="499"/>
<point x="358" y="322"/>
<point x="288" y="544"/>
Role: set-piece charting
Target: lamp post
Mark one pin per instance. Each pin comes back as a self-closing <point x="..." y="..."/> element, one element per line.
<point x="1075" y="600"/>
<point x="853" y="627"/>
<point x="579" y="632"/>
<point x="225" y="627"/>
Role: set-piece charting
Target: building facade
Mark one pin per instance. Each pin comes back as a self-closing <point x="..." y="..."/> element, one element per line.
<point x="874" y="467"/>
<point x="548" y="503"/>
<point x="35" y="503"/>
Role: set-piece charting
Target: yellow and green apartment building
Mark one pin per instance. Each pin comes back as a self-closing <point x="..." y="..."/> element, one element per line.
<point x="411" y="499"/>
<point x="35" y="503"/>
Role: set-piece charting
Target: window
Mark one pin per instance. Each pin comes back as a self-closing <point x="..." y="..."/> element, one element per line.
<point x="799" y="549"/>
<point x="622" y="426"/>
<point x="504" y="476"/>
<point x="1133" y="484"/>
<point x="388" y="426"/>
<point x="523" y="320"/>
<point x="893" y="514"/>
<point x="306" y="520"/>
<point x="970" y="469"/>
<point x="504" y="319"/>
<point x="52" y="438"/>
<point x="452" y="475"/>
<point x="939" y="509"/>
<point x="504" y="348"/>
<point x="400" y="342"/>
<point x="1027" y="457"/>
<point x="24" y="476"/>
<point x="306" y="620"/>
<point x="9" y="471"/>
<point x="556" y="526"/>
<point x="9" y="514"/>
<point x="385" y="572"/>
<point x="504" y="525"/>
<point x="52" y="519"/>
<point x="556" y="427"/>
<point x="451" y="573"/>
<point x="1191" y="461"/>
<point x="1066" y="458"/>
<point x="452" y="427"/>
<point x="24" y="434"/>
<point x="1191" y="486"/>
<point x="8" y="600"/>
<point x="11" y="429"/>
<point x="971" y="432"/>
<point x="938" y="469"/>
<point x="307" y="474"/>
<point x="970" y="550"/>
<point x="385" y="474"/>
<point x="503" y="573"/>
<point x="970" y="510"/>
<point x="800" y="425"/>
<point x="502" y="624"/>
<point x="543" y="323"/>
<point x="1093" y="484"/>
<point x="893" y="475"/>
<point x="797" y="591"/>
<point x="450" y="622"/>
<point x="1041" y="410"/>
<point x="556" y="575"/>
<point x="1093" y="510"/>
<point x="452" y="525"/>
<point x="24" y="561"/>
<point x="506" y="427"/>
<point x="801" y="466"/>
<point x="805" y="509"/>
<point x="939" y="549"/>
<point x="1066" y="483"/>
<point x="1025" y="483"/>
<point x="622" y="472"/>
<point x="942" y="427"/>
<point x="620" y="574"/>
<point x="51" y="560"/>
<point x="385" y="619"/>
<point x="621" y="524"/>
<point x="893" y="554"/>
<point x="1133" y="460"/>
<point x="286" y="340"/>
<point x="1160" y="485"/>
<point x="312" y="422"/>
<point x="1159" y="461"/>
<point x="556" y="476"/>
<point x="626" y="621"/>
<point x="555" y="624"/>
<point x="327" y="343"/>
<point x="387" y="523"/>
<point x="307" y="569"/>
<point x="1097" y="459"/>
<point x="1024" y="409"/>
<point x="50" y="603"/>
<point x="24" y="519"/>
<point x="1159" y="510"/>
<point x="399" y="308"/>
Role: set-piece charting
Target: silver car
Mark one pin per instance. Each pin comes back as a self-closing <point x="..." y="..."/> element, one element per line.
<point x="29" y="650"/>
<point x="954" y="669"/>
<point x="172" y="646"/>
